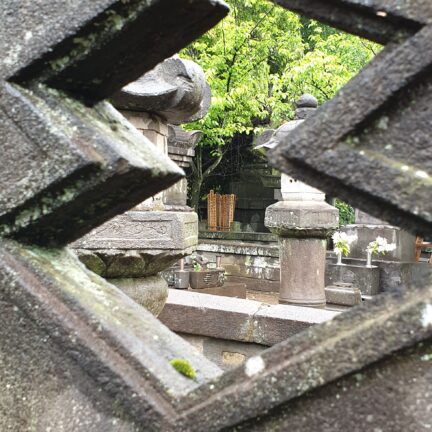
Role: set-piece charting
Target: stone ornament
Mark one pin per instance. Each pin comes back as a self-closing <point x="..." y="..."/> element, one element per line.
<point x="176" y="90"/>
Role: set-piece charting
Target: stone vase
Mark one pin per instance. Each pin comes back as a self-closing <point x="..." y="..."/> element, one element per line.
<point x="369" y="259"/>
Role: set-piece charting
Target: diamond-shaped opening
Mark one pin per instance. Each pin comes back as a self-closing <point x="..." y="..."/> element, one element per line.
<point x="46" y="284"/>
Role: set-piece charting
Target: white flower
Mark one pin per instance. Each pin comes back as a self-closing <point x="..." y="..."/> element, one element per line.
<point x="336" y="236"/>
<point x="352" y="238"/>
<point x="380" y="246"/>
<point x="342" y="242"/>
<point x="391" y="247"/>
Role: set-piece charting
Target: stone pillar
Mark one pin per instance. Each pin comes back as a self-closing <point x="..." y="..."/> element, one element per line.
<point x="302" y="221"/>
<point x="132" y="249"/>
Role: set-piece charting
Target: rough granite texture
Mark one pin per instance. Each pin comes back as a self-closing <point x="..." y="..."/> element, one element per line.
<point x="77" y="353"/>
<point x="340" y="148"/>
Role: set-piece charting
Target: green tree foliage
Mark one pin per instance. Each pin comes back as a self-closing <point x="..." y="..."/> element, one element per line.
<point x="346" y="212"/>
<point x="258" y="61"/>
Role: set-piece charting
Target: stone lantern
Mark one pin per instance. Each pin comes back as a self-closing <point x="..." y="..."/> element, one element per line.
<point x="302" y="221"/>
<point x="132" y="249"/>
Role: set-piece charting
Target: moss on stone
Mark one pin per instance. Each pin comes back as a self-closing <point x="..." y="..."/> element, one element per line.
<point x="184" y="367"/>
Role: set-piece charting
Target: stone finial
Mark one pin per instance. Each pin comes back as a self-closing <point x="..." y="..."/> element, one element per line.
<point x="176" y="90"/>
<point x="306" y="105"/>
<point x="307" y="101"/>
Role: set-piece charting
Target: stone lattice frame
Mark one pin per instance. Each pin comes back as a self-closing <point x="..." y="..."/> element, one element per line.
<point x="109" y="353"/>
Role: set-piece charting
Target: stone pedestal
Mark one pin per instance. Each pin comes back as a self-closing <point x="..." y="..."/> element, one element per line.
<point x="302" y="268"/>
<point x="131" y="250"/>
<point x="302" y="227"/>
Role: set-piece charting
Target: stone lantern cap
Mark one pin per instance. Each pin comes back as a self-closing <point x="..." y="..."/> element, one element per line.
<point x="306" y="105"/>
<point x="176" y="90"/>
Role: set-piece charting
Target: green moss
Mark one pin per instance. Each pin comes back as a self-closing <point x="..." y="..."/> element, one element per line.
<point x="183" y="367"/>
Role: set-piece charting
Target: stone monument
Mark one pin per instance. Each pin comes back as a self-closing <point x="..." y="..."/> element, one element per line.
<point x="302" y="221"/>
<point x="367" y="228"/>
<point x="132" y="249"/>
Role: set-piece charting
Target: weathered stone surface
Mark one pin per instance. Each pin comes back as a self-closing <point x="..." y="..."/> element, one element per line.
<point x="76" y="353"/>
<point x="380" y="20"/>
<point x="237" y="290"/>
<point x="392" y="395"/>
<point x="301" y="219"/>
<point x="343" y="294"/>
<point x="138" y="243"/>
<point x="68" y="179"/>
<point x="115" y="263"/>
<point x="256" y="264"/>
<point x="129" y="37"/>
<point x="81" y="166"/>
<point x="340" y="150"/>
<point x="237" y="319"/>
<point x="367" y="279"/>
<point x="150" y="292"/>
<point x="112" y="340"/>
<point x="176" y="90"/>
<point x="302" y="264"/>
<point x="324" y="354"/>
<point x="89" y="322"/>
<point x="160" y="230"/>
<point x="366" y="233"/>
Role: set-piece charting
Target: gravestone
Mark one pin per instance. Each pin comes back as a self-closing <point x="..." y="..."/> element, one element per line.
<point x="367" y="228"/>
<point x="132" y="250"/>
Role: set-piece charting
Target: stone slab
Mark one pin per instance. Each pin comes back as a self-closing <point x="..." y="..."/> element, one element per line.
<point x="253" y="284"/>
<point x="241" y="259"/>
<point x="367" y="279"/>
<point x="141" y="230"/>
<point x="397" y="276"/>
<point x="344" y="296"/>
<point x="237" y="319"/>
<point x="230" y="289"/>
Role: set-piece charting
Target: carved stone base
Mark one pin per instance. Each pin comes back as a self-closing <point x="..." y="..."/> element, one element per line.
<point x="131" y="249"/>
